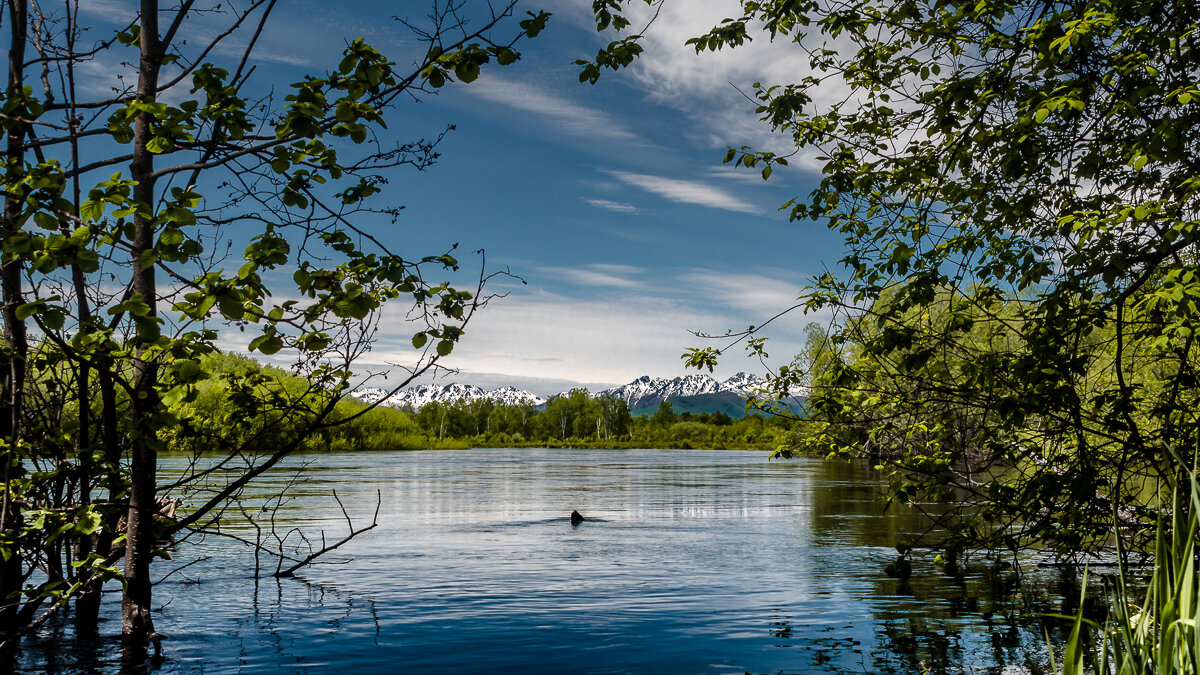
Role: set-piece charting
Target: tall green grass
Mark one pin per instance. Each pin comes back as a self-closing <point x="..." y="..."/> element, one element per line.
<point x="1161" y="634"/>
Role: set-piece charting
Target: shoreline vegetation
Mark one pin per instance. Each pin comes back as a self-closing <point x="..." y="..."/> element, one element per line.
<point x="575" y="420"/>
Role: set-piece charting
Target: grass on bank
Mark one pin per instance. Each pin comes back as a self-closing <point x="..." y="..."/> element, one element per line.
<point x="1161" y="634"/>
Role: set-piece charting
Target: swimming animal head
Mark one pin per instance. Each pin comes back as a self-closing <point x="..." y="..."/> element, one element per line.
<point x="576" y="518"/>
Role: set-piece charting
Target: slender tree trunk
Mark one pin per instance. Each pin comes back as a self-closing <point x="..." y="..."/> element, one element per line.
<point x="112" y="467"/>
<point x="14" y="333"/>
<point x="87" y="607"/>
<point x="87" y="604"/>
<point x="136" y="622"/>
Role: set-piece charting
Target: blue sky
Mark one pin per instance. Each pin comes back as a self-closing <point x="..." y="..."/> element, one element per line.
<point x="609" y="200"/>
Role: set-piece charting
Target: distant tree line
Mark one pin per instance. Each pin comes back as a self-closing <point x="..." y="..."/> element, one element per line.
<point x="580" y="419"/>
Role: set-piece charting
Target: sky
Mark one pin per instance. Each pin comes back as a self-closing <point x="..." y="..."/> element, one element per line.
<point x="609" y="201"/>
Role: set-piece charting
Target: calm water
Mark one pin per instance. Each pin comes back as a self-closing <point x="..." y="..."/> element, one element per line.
<point x="694" y="562"/>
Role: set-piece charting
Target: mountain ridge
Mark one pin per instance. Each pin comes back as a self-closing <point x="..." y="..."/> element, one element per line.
<point x="697" y="392"/>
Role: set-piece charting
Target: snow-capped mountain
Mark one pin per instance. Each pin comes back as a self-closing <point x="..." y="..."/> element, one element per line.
<point x="695" y="392"/>
<point x="649" y="391"/>
<point x="416" y="397"/>
<point x="743" y="382"/>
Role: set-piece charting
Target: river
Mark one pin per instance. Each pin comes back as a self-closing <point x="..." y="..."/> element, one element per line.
<point x="689" y="562"/>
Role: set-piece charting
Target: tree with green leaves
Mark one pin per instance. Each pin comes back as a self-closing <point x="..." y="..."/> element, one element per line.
<point x="570" y="414"/>
<point x="117" y="279"/>
<point x="1017" y="184"/>
<point x="613" y="417"/>
<point x="664" y="415"/>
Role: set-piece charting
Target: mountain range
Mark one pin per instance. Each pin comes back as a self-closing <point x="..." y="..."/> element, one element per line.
<point x="695" y="393"/>
<point x="416" y="397"/>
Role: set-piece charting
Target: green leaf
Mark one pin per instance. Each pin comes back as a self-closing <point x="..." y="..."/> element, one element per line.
<point x="91" y="210"/>
<point x="171" y="237"/>
<point x="178" y="215"/>
<point x="28" y="309"/>
<point x="175" y="395"/>
<point x="271" y="345"/>
<point x="45" y="220"/>
<point x="467" y="71"/>
<point x="54" y="318"/>
<point x="89" y="520"/>
<point x="266" y="344"/>
<point x="205" y="305"/>
<point x="231" y="307"/>
<point x="158" y="145"/>
<point x="188" y="370"/>
<point x="419" y="340"/>
<point x="444" y="347"/>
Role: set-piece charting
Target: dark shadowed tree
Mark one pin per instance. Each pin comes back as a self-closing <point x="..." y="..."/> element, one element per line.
<point x="120" y="271"/>
<point x="1017" y="184"/>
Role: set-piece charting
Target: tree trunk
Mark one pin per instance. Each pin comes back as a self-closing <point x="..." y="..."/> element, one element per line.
<point x="14" y="334"/>
<point x="136" y="622"/>
<point x="87" y="604"/>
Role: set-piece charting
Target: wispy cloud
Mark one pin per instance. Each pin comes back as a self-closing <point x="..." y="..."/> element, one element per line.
<point x="614" y="333"/>
<point x="713" y="90"/>
<point x="104" y="76"/>
<point x="614" y="339"/>
<point x="565" y="114"/>
<point x="685" y="191"/>
<point x="109" y="10"/>
<point x="236" y="48"/>
<point x="736" y="174"/>
<point x="755" y="295"/>
<point x="612" y="276"/>
<point x="619" y="207"/>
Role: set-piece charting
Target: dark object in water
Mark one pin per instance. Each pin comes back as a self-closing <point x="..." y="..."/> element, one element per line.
<point x="576" y="518"/>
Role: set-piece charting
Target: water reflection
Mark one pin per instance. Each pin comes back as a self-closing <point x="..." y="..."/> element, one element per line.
<point x="688" y="562"/>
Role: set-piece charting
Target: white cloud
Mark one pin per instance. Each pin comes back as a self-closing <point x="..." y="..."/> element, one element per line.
<point x="566" y="115"/>
<point x="623" y="334"/>
<point x="754" y="296"/>
<point x="619" y="207"/>
<point x="685" y="191"/>
<point x="109" y="10"/>
<point x="714" y="90"/>
<point x="612" y="276"/>
<point x="607" y="334"/>
<point x="545" y="335"/>
<point x="235" y="48"/>
<point x="104" y="76"/>
<point x="737" y="174"/>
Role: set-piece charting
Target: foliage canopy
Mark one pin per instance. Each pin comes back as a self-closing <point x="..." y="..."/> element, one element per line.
<point x="1017" y="184"/>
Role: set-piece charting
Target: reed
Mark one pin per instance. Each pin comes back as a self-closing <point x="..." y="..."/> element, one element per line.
<point x="1161" y="634"/>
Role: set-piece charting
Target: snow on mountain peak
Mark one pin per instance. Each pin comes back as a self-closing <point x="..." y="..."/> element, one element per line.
<point x="648" y="390"/>
<point x="645" y="390"/>
<point x="742" y="382"/>
<point x="417" y="397"/>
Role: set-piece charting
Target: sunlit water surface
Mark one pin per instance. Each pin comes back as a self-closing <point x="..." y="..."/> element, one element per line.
<point x="690" y="562"/>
